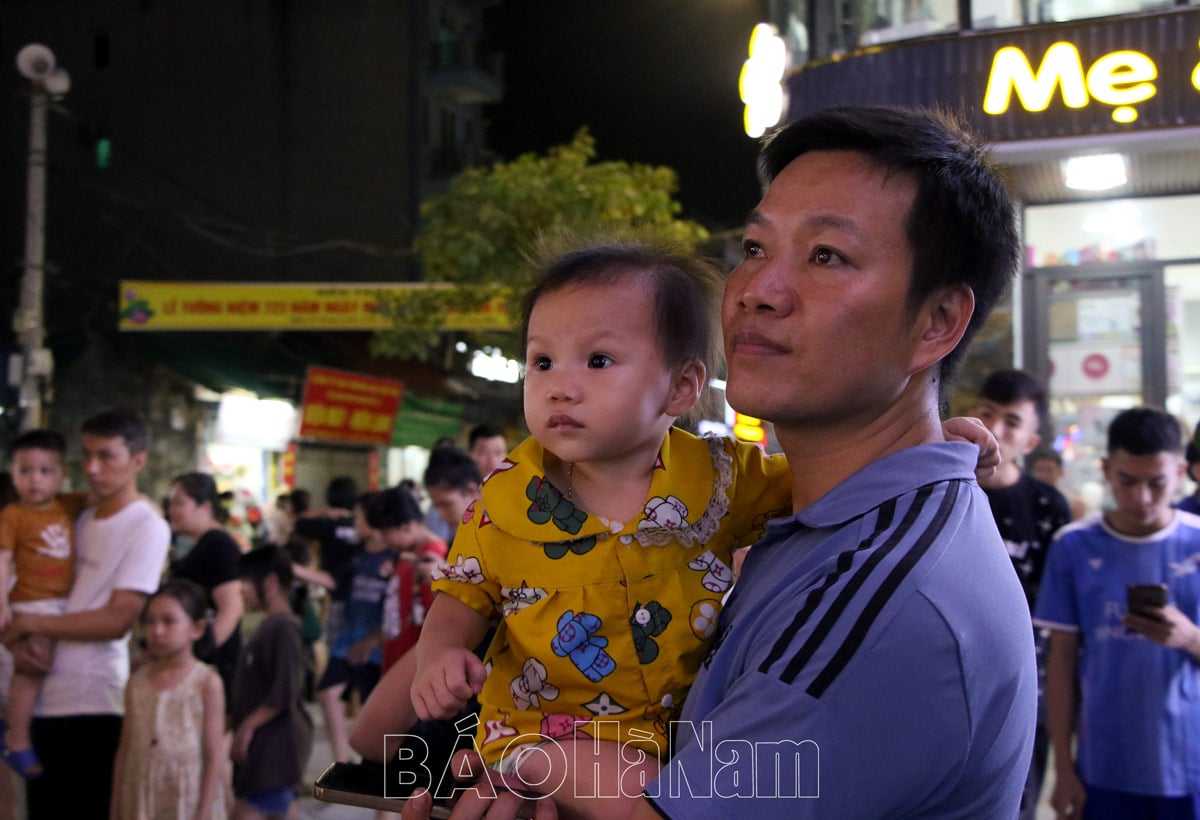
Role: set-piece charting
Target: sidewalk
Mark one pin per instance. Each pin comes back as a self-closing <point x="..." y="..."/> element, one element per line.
<point x="322" y="755"/>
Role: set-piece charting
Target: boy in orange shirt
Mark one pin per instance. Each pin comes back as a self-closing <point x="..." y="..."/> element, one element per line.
<point x="37" y="536"/>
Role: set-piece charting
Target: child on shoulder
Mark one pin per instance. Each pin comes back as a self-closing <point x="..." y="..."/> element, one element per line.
<point x="37" y="536"/>
<point x="171" y="760"/>
<point x="606" y="539"/>
<point x="272" y="736"/>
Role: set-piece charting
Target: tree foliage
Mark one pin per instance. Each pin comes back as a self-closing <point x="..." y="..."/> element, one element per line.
<point x="478" y="237"/>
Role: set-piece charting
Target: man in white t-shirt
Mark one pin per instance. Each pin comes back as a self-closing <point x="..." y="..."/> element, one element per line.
<point x="121" y="547"/>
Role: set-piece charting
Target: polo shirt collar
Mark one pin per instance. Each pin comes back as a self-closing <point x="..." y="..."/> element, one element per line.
<point x="890" y="477"/>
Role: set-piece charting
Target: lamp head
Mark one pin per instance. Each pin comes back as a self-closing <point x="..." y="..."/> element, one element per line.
<point x="35" y="61"/>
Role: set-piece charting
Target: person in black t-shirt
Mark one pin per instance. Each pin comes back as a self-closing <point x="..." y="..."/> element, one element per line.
<point x="194" y="509"/>
<point x="1012" y="404"/>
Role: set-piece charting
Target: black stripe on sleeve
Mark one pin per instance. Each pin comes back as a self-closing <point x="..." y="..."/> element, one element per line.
<point x="883" y="521"/>
<point x="866" y="619"/>
<point x="839" y="605"/>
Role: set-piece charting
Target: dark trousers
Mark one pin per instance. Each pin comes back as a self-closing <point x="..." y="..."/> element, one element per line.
<point x="77" y="753"/>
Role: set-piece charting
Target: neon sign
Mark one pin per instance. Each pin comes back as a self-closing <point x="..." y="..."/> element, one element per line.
<point x="1121" y="79"/>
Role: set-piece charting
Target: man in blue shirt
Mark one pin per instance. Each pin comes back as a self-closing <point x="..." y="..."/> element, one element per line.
<point x="875" y="658"/>
<point x="1135" y="665"/>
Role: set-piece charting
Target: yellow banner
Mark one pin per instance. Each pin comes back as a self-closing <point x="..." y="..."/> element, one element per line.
<point x="269" y="306"/>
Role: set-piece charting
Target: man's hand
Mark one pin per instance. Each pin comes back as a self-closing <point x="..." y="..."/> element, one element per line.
<point x="964" y="428"/>
<point x="1166" y="626"/>
<point x="1069" y="793"/>
<point x="484" y="802"/>
<point x="445" y="681"/>
<point x="6" y="616"/>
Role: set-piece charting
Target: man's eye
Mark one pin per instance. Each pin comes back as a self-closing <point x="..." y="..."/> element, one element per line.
<point x="751" y="248"/>
<point x="599" y="360"/>
<point x="826" y="256"/>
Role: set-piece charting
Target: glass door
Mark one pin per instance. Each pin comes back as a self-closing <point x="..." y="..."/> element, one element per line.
<point x="1096" y="335"/>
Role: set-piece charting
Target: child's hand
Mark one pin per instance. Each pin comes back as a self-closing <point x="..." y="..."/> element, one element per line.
<point x="445" y="681"/>
<point x="973" y="431"/>
<point x="241" y="743"/>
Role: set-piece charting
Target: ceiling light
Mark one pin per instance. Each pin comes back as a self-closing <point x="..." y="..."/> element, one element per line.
<point x="1097" y="172"/>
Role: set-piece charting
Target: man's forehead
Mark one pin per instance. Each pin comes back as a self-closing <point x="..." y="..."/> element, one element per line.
<point x="97" y="444"/>
<point x="1020" y="407"/>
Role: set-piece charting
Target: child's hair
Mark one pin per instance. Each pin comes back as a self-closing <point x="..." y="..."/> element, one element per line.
<point x="299" y="549"/>
<point x="391" y="508"/>
<point x="450" y="468"/>
<point x="119" y="423"/>
<point x="1145" y="431"/>
<point x="686" y="292"/>
<point x="49" y="440"/>
<point x="194" y="600"/>
<point x="202" y="489"/>
<point x="257" y="564"/>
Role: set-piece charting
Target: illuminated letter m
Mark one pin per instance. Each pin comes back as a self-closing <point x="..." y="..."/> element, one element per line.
<point x="1060" y="68"/>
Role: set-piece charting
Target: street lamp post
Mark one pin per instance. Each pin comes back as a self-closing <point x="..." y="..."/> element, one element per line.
<point x="35" y="365"/>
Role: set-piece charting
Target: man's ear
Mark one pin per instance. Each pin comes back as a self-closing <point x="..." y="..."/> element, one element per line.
<point x="686" y="388"/>
<point x="941" y="323"/>
<point x="1031" y="445"/>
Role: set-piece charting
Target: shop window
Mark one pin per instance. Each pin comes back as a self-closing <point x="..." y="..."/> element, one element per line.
<point x="1112" y="230"/>
<point x="841" y="26"/>
<point x="1003" y="13"/>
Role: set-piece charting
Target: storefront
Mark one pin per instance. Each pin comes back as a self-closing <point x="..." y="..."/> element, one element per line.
<point x="1107" y="308"/>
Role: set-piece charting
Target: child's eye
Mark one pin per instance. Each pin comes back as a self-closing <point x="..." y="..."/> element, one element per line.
<point x="541" y="363"/>
<point x="599" y="360"/>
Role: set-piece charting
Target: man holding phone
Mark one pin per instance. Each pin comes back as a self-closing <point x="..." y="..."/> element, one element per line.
<point x="1126" y="584"/>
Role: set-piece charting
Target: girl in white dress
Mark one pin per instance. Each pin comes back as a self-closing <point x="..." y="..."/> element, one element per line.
<point x="170" y="763"/>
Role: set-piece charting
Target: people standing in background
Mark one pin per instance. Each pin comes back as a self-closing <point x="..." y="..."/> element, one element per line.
<point x="171" y="761"/>
<point x="1123" y="673"/>
<point x="194" y="509"/>
<point x="1046" y="464"/>
<point x="1028" y="512"/>
<point x="355" y="657"/>
<point x="272" y="736"/>
<point x="452" y="480"/>
<point x="486" y="445"/>
<point x="122" y="548"/>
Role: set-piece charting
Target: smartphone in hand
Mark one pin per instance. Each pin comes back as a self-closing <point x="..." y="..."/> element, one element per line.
<point x="366" y="785"/>
<point x="1138" y="597"/>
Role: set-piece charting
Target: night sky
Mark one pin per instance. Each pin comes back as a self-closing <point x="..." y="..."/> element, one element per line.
<point x="654" y="80"/>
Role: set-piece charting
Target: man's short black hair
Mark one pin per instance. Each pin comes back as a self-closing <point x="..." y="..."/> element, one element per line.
<point x="962" y="225"/>
<point x="120" y="422"/>
<point x="1145" y="431"/>
<point x="49" y="440"/>
<point x="480" y="431"/>
<point x="451" y="469"/>
<point x="341" y="493"/>
<point x="1011" y="386"/>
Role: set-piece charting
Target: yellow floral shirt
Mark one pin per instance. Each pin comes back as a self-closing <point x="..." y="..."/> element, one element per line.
<point x="604" y="624"/>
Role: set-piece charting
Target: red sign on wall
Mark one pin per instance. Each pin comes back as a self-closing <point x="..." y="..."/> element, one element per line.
<point x="349" y="407"/>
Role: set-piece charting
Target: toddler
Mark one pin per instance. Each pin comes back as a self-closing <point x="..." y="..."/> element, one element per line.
<point x="37" y="535"/>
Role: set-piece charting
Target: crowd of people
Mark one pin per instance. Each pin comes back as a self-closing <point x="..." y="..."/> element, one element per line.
<point x="158" y="667"/>
<point x="913" y="631"/>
